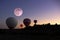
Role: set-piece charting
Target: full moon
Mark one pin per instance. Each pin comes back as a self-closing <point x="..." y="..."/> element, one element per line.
<point x="18" y="11"/>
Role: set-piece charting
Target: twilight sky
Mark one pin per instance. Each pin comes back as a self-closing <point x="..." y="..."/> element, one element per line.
<point x="45" y="11"/>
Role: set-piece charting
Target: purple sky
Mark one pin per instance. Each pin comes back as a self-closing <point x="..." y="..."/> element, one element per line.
<point x="45" y="11"/>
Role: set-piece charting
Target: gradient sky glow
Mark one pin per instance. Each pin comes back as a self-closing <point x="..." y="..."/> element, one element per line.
<point x="45" y="11"/>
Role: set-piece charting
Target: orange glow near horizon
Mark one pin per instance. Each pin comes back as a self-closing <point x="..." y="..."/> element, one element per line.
<point x="52" y="21"/>
<point x="45" y="21"/>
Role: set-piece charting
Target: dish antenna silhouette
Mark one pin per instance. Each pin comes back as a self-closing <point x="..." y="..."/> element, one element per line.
<point x="11" y="22"/>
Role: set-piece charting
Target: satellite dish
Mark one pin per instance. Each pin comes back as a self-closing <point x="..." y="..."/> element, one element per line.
<point x="11" y="22"/>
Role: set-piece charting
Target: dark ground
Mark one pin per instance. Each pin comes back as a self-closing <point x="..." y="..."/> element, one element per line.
<point x="28" y="37"/>
<point x="43" y="33"/>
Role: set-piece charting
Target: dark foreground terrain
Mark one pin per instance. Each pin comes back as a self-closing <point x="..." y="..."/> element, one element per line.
<point x="38" y="32"/>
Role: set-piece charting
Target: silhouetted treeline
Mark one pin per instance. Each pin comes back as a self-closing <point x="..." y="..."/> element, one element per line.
<point x="45" y="28"/>
<point x="35" y="29"/>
